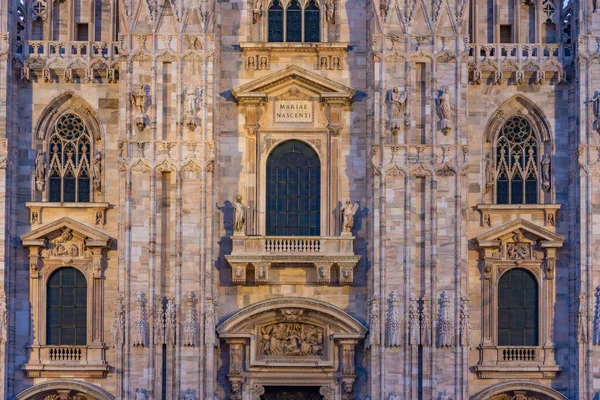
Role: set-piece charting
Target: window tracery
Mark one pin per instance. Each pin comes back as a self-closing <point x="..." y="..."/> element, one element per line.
<point x="294" y="21"/>
<point x="70" y="149"/>
<point x="517" y="163"/>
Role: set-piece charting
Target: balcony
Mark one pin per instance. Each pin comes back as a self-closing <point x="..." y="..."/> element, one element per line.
<point x="66" y="362"/>
<point x="517" y="362"/>
<point x="324" y="254"/>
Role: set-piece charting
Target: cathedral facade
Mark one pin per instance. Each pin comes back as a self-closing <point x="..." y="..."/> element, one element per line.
<point x="299" y="199"/>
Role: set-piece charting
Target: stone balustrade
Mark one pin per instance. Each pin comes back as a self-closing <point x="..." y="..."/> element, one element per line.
<point x="64" y="353"/>
<point x="519" y="51"/>
<point x="511" y="354"/>
<point x="68" y="50"/>
<point x="264" y="252"/>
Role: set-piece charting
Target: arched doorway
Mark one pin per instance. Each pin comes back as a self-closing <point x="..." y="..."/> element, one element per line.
<point x="519" y="390"/>
<point x="64" y="390"/>
<point x="300" y="348"/>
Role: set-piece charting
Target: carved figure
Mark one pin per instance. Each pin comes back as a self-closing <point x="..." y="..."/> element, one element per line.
<point x="393" y="396"/>
<point x="393" y="321"/>
<point x="425" y="322"/>
<point x="191" y="98"/>
<point x="139" y="395"/>
<point x="257" y="10"/>
<point x="445" y="109"/>
<point x="97" y="171"/>
<point x="140" y="323"/>
<point x="99" y="217"/>
<point x="263" y="63"/>
<point x="65" y="236"/>
<point x="596" y="110"/>
<point x="465" y="323"/>
<point x="330" y="13"/>
<point x="3" y="319"/>
<point x="138" y="99"/>
<point x="546" y="173"/>
<point x="323" y="63"/>
<point x="119" y="321"/>
<point x="210" y="321"/>
<point x="188" y="395"/>
<point x="445" y="327"/>
<point x="487" y="220"/>
<point x="335" y="61"/>
<point x="190" y="325"/>
<point x="235" y="360"/>
<point x="582" y="320"/>
<point x="292" y="339"/>
<point x="170" y="315"/>
<point x="597" y="318"/>
<point x="348" y="211"/>
<point x="444" y="396"/>
<point x="236" y="388"/>
<point x="373" y="339"/>
<point x="239" y="216"/>
<point x="35" y="217"/>
<point x="398" y="98"/>
<point x="251" y="63"/>
<point x="40" y="171"/>
<point x="490" y="172"/>
<point x="414" y="331"/>
<point x="159" y="321"/>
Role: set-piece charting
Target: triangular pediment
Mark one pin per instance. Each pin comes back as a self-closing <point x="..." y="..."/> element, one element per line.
<point x="529" y="231"/>
<point x="65" y="225"/>
<point x="307" y="82"/>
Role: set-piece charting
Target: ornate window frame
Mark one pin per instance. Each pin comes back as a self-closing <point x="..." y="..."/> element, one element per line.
<point x="68" y="103"/>
<point x="518" y="244"/>
<point x="66" y="243"/>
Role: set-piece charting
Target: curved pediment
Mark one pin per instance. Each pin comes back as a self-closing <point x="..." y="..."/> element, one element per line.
<point x="529" y="232"/>
<point x="295" y="309"/>
<point x="68" y="227"/>
<point x="309" y="85"/>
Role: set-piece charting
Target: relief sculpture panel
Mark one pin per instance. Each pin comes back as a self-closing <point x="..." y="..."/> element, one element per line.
<point x="292" y="340"/>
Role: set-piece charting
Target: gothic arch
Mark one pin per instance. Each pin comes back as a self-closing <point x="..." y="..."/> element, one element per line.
<point x="67" y="102"/>
<point x="532" y="389"/>
<point x="72" y="387"/>
<point x="519" y="105"/>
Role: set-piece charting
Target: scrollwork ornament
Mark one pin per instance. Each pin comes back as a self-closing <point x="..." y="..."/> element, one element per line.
<point x="257" y="392"/>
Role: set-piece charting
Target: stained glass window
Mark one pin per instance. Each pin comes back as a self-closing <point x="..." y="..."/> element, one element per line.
<point x="517" y="309"/>
<point x="293" y="190"/>
<point x="70" y="149"/>
<point x="312" y="25"/>
<point x="276" y="22"/>
<point x="66" y="307"/>
<point x="517" y="167"/>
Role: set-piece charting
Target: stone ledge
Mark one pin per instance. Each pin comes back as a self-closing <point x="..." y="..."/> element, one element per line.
<point x="97" y="210"/>
<point x="288" y="47"/>
<point x="517" y="371"/>
<point x="70" y="370"/>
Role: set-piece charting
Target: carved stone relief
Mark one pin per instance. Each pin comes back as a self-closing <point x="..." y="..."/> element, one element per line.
<point x="292" y="340"/>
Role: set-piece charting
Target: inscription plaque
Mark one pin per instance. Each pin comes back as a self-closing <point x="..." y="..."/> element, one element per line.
<point x="294" y="111"/>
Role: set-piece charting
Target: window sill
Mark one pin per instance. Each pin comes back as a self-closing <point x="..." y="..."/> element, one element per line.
<point x="313" y="47"/>
<point x="91" y="212"/>
<point x="517" y="207"/>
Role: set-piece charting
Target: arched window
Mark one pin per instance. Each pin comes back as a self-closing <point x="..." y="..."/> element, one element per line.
<point x="517" y="166"/>
<point x="517" y="309"/>
<point x="66" y="308"/>
<point x="70" y="149"/>
<point x="293" y="190"/>
<point x="294" y="22"/>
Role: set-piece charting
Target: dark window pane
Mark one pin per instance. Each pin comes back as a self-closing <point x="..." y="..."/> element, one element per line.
<point x="83" y="191"/>
<point x="66" y="311"/>
<point x="516" y="192"/>
<point x="297" y="193"/>
<point x="517" y="309"/>
<point x="276" y="22"/>
<point x="69" y="189"/>
<point x="312" y="31"/>
<point x="54" y="189"/>
<point x="294" y="22"/>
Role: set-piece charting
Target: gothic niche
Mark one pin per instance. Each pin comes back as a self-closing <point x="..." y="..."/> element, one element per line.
<point x="291" y="339"/>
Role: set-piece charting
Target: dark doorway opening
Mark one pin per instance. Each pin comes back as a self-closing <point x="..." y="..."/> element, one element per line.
<point x="292" y="393"/>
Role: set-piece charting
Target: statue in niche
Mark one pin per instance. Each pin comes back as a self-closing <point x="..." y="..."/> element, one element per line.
<point x="188" y="395"/>
<point x="40" y="171"/>
<point x="330" y="14"/>
<point x="489" y="172"/>
<point x="444" y="396"/>
<point x="393" y="396"/>
<point x="398" y="98"/>
<point x="138" y="99"/>
<point x="191" y="102"/>
<point x="257" y="10"/>
<point x="239" y="216"/>
<point x="596" y="110"/>
<point x="445" y="107"/>
<point x="348" y="211"/>
<point x="96" y="171"/>
<point x="546" y="173"/>
<point x="139" y="395"/>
